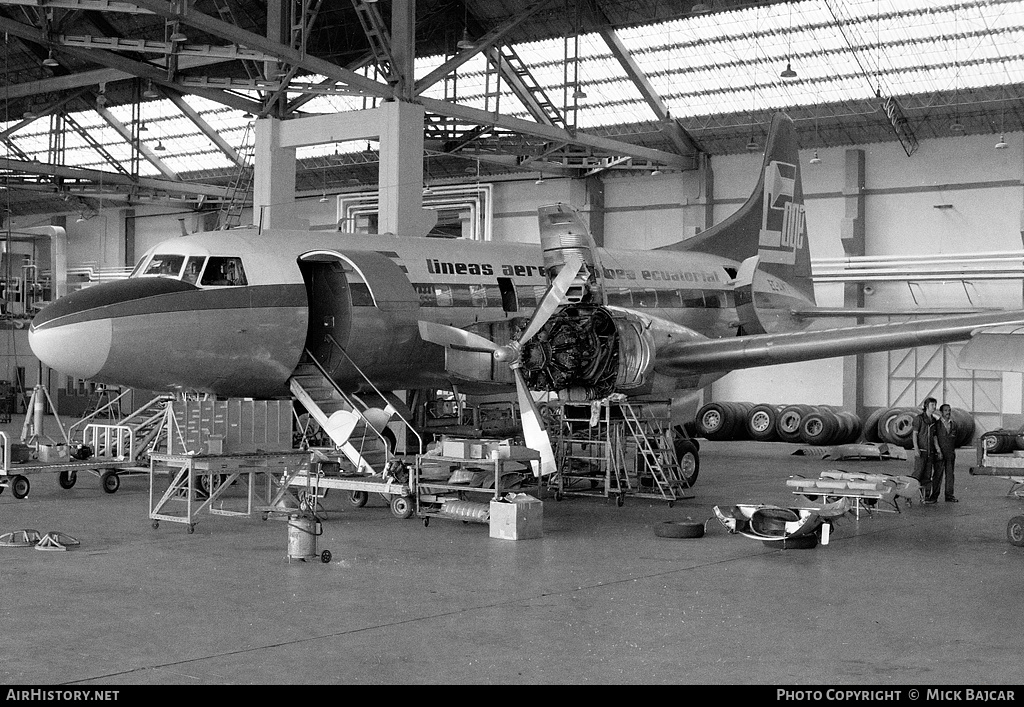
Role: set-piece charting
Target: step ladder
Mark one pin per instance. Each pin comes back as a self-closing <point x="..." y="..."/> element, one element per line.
<point x="655" y="451"/>
<point x="339" y="415"/>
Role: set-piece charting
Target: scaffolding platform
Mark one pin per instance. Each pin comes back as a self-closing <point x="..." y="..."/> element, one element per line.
<point x="615" y="448"/>
<point x="198" y="483"/>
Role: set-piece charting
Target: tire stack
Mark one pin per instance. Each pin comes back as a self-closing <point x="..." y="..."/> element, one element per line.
<point x="895" y="426"/>
<point x="808" y="424"/>
<point x="723" y="421"/>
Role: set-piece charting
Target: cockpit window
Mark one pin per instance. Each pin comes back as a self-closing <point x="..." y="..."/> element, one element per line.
<point x="169" y="265"/>
<point x="193" y="267"/>
<point x="223" y="272"/>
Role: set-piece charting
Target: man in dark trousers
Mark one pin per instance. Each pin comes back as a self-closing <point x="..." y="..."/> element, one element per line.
<point x="925" y="447"/>
<point x="946" y="433"/>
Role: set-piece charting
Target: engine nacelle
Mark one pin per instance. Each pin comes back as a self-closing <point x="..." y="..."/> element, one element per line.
<point x="589" y="352"/>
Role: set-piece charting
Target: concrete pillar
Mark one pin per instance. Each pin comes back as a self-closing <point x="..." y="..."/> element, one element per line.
<point x="400" y="180"/>
<point x="852" y="235"/>
<point x="273" y="178"/>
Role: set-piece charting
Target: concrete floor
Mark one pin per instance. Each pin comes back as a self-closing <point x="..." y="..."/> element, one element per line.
<point x="928" y="596"/>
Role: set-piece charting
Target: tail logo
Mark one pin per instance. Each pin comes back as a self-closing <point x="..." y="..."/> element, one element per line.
<point x="783" y="220"/>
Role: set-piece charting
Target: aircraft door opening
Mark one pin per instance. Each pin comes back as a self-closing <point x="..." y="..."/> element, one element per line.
<point x="330" y="304"/>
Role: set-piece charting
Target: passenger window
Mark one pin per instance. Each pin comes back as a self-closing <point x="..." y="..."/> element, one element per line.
<point x="167" y="265"/>
<point x="223" y="272"/>
<point x="193" y="267"/>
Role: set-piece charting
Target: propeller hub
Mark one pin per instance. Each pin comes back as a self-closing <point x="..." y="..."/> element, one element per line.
<point x="507" y="354"/>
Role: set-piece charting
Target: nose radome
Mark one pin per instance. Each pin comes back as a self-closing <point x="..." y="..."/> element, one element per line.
<point x="77" y="349"/>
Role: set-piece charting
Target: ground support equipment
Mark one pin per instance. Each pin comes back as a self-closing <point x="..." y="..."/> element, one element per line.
<point x="264" y="476"/>
<point x="448" y="498"/>
<point x="614" y="448"/>
<point x="313" y="482"/>
<point x="15" y="475"/>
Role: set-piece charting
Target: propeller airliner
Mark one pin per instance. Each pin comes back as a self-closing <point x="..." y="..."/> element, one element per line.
<point x="240" y="313"/>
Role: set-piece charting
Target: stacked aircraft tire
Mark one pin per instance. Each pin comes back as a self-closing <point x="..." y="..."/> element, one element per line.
<point x="764" y="422"/>
<point x="823" y="425"/>
<point x="723" y="421"/>
<point x="895" y="426"/>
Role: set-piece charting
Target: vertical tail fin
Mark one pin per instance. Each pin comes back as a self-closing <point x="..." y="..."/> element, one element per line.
<point x="771" y="223"/>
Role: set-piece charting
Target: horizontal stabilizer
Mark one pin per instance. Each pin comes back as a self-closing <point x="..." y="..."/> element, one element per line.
<point x="998" y="349"/>
<point x="715" y="355"/>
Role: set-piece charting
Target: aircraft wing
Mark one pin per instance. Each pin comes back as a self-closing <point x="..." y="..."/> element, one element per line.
<point x="847" y="312"/>
<point x="994" y="349"/>
<point x="705" y="356"/>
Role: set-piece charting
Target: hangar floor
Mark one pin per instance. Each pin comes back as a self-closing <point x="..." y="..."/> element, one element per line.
<point x="928" y="596"/>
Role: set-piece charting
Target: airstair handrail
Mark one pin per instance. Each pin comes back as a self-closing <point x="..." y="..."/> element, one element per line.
<point x="96" y="412"/>
<point x="344" y="396"/>
<point x="330" y="337"/>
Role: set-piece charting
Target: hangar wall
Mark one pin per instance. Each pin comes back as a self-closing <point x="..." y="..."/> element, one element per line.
<point x="982" y="187"/>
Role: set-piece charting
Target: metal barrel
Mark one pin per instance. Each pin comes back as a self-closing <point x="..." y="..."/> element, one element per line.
<point x="302" y="532"/>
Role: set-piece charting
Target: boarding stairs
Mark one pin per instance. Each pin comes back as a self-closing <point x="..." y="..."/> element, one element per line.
<point x="656" y="454"/>
<point x="340" y="416"/>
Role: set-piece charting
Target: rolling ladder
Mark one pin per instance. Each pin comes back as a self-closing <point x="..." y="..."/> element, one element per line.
<point x="615" y="447"/>
<point x="241" y="184"/>
<point x="655" y="451"/>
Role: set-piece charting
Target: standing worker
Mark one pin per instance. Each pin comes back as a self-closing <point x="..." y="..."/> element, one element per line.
<point x="946" y="433"/>
<point x="925" y="447"/>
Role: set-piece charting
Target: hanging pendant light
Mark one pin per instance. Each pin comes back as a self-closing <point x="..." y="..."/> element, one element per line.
<point x="159" y="146"/>
<point x="465" y="42"/>
<point x="1002" y="144"/>
<point x="815" y="159"/>
<point x="50" y="60"/>
<point x="788" y="72"/>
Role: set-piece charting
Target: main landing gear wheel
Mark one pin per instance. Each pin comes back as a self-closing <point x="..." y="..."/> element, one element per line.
<point x="110" y="482"/>
<point x="67" y="479"/>
<point x="20" y="486"/>
<point x="358" y="499"/>
<point x="679" y="529"/>
<point x="401" y="507"/>
<point x="689" y="461"/>
<point x="1015" y="531"/>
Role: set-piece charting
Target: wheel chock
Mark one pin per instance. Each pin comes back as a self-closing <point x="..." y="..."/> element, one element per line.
<point x="56" y="541"/>
<point x="20" y="538"/>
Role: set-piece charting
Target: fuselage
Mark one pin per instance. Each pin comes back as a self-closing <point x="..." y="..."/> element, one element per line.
<point x="231" y="312"/>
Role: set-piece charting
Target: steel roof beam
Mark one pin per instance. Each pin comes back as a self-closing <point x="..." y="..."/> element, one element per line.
<point x="111" y="178"/>
<point x="483" y="44"/>
<point x="204" y="127"/>
<point x="125" y="132"/>
<point x="548" y="132"/>
<point x="284" y="53"/>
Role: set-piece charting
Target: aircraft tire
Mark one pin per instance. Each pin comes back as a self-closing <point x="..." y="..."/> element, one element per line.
<point x="762" y="421"/>
<point x="679" y="529"/>
<point x="688" y="455"/>
<point x="1015" y="531"/>
<point x="870" y="428"/>
<point x="788" y="426"/>
<point x="715" y="421"/>
<point x="802" y="542"/>
<point x="820" y="428"/>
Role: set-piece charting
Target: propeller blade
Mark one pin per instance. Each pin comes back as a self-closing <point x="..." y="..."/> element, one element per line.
<point x="552" y="299"/>
<point x="445" y="335"/>
<point x="534" y="434"/>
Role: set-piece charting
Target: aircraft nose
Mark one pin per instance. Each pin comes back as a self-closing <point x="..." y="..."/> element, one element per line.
<point x="79" y="349"/>
<point x="75" y="334"/>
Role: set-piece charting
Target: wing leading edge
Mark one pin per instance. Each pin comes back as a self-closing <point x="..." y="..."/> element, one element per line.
<point x="715" y="355"/>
